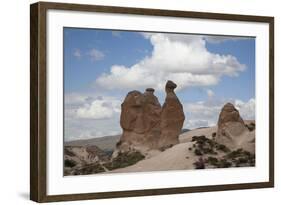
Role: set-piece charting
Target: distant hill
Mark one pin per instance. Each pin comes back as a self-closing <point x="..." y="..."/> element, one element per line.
<point x="184" y="130"/>
<point x="106" y="143"/>
<point x="202" y="127"/>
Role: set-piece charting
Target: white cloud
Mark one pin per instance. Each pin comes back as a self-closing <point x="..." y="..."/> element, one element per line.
<point x="247" y="109"/>
<point x="90" y="116"/>
<point x="202" y="114"/>
<point x="84" y="128"/>
<point x="99" y="109"/>
<point x="74" y="99"/>
<point x="96" y="55"/>
<point x="181" y="58"/>
<point x="77" y="53"/>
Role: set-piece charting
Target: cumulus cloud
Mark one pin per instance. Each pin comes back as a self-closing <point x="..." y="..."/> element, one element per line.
<point x="99" y="109"/>
<point x="91" y="107"/>
<point x="96" y="55"/>
<point x="247" y="109"/>
<point x="206" y="113"/>
<point x="90" y="116"/>
<point x="181" y="58"/>
<point x="82" y="128"/>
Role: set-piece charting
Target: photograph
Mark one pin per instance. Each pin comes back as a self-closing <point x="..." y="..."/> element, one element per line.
<point x="129" y="101"/>
<point x="149" y="101"/>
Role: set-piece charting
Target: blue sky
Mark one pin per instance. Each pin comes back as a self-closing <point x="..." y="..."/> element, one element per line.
<point x="123" y="50"/>
<point x="102" y="66"/>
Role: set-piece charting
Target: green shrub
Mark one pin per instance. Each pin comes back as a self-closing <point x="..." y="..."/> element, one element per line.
<point x="89" y="169"/>
<point x="118" y="143"/>
<point x="197" y="152"/>
<point x="69" y="163"/>
<point x="213" y="161"/>
<point x="251" y="127"/>
<point x="207" y="146"/>
<point x="222" y="147"/>
<point x="238" y="153"/>
<point x="223" y="163"/>
<point x="241" y="158"/>
<point x="200" y="164"/>
<point x="124" y="160"/>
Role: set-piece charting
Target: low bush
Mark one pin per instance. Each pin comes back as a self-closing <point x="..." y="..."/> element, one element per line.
<point x="213" y="161"/>
<point x="224" y="163"/>
<point x="124" y="160"/>
<point x="89" y="169"/>
<point x="204" y="145"/>
<point x="236" y="158"/>
<point x="222" y="147"/>
<point x="197" y="152"/>
<point x="200" y="164"/>
<point x="69" y="163"/>
<point x="251" y="127"/>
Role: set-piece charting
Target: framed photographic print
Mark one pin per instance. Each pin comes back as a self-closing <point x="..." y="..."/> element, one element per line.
<point x="134" y="102"/>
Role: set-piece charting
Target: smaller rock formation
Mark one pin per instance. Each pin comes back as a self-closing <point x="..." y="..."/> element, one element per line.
<point x="172" y="117"/>
<point x="230" y="126"/>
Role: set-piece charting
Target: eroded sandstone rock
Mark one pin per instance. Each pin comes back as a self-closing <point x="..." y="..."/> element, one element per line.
<point x="140" y="121"/>
<point x="172" y="117"/>
<point x="230" y="126"/>
<point x="148" y="126"/>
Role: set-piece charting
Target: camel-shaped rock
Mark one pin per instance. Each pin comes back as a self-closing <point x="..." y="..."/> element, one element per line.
<point x="146" y="125"/>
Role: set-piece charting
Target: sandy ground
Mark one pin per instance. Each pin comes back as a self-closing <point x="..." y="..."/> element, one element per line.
<point x="176" y="158"/>
<point x="179" y="157"/>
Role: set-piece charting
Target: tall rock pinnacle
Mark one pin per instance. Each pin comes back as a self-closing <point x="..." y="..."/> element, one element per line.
<point x="172" y="117"/>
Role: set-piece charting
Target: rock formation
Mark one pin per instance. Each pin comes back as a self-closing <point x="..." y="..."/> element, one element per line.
<point x="140" y="120"/>
<point x="230" y="126"/>
<point x="172" y="117"/>
<point x="148" y="126"/>
<point x="77" y="158"/>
